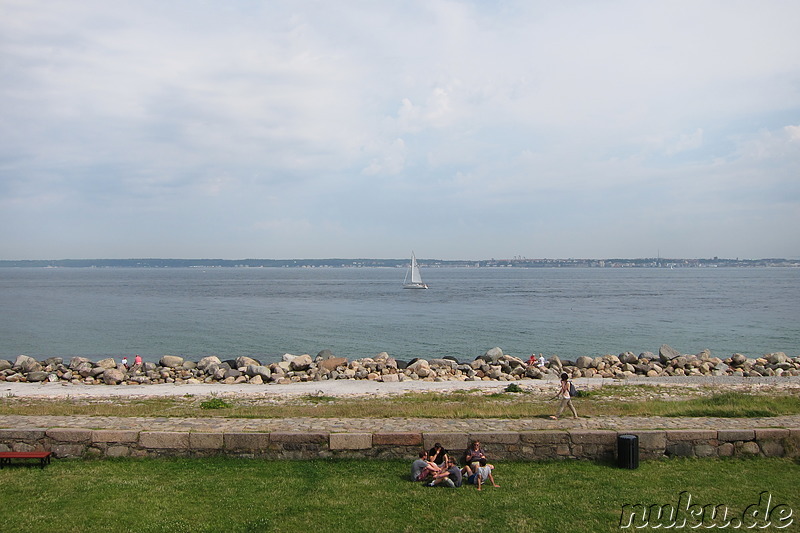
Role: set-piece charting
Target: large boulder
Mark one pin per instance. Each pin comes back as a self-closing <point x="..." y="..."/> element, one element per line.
<point x="205" y="362"/>
<point x="24" y="363"/>
<point x="113" y="376"/>
<point x="75" y="362"/>
<point x="258" y="370"/>
<point x="171" y="361"/>
<point x="492" y="356"/>
<point x="5" y="365"/>
<point x="584" y="361"/>
<point x="244" y="361"/>
<point x="776" y="358"/>
<point x="667" y="353"/>
<point x="301" y="362"/>
<point x="332" y="363"/>
<point x="738" y="359"/>
<point x="325" y="354"/>
<point x="107" y="363"/>
<point x="37" y="376"/>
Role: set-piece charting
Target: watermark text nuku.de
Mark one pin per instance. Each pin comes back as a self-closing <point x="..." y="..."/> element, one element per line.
<point x="689" y="514"/>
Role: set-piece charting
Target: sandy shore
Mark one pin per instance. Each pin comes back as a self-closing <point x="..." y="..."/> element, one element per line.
<point x="353" y="387"/>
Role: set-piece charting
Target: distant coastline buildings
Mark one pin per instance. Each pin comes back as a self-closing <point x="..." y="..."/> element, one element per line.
<point x="517" y="262"/>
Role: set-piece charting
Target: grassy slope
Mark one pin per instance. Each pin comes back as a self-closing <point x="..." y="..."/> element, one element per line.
<point x="638" y="400"/>
<point x="238" y="495"/>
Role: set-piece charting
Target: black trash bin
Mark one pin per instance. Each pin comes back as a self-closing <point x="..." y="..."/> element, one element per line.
<point x="628" y="451"/>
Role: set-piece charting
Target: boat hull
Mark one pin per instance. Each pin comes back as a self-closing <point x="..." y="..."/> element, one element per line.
<point x="415" y="286"/>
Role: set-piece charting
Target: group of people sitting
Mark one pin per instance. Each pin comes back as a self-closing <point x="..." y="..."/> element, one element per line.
<point x="437" y="468"/>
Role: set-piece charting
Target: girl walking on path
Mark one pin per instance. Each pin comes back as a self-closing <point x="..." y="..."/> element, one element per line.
<point x="566" y="399"/>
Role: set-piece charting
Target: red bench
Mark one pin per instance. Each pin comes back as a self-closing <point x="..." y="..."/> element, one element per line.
<point x="44" y="457"/>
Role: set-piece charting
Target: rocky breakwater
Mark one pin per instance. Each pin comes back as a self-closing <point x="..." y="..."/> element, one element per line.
<point x="493" y="365"/>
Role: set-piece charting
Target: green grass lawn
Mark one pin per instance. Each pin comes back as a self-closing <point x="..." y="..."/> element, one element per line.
<point x="240" y="495"/>
<point x="627" y="400"/>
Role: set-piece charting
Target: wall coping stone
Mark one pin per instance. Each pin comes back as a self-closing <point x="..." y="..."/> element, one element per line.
<point x="397" y="439"/>
<point x="771" y="433"/>
<point x="732" y="435"/>
<point x="299" y="437"/>
<point x="114" y="435"/>
<point x="246" y="442"/>
<point x="502" y="437"/>
<point x="350" y="441"/>
<point x="650" y="439"/>
<point x="169" y="440"/>
<point x="544" y="437"/>
<point x="676" y="435"/>
<point x="593" y="436"/>
<point x="455" y="442"/>
<point x="199" y="440"/>
<point x="70" y="434"/>
<point x="22" y="434"/>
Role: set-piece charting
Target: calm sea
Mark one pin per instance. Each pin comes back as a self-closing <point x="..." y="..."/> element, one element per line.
<point x="358" y="312"/>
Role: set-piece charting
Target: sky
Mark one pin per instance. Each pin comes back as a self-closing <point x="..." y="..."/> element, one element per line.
<point x="358" y="129"/>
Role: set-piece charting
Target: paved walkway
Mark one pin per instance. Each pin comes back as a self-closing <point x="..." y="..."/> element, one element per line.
<point x="388" y="425"/>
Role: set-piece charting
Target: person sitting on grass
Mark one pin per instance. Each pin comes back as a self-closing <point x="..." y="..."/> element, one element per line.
<point x="438" y="455"/>
<point x="422" y="468"/>
<point x="474" y="453"/>
<point x="479" y="475"/>
<point x="449" y="477"/>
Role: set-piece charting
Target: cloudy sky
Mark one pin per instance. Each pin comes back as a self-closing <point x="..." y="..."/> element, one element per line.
<point x="459" y="129"/>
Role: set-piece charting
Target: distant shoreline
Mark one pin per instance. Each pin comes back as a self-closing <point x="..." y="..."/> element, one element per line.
<point x="651" y="262"/>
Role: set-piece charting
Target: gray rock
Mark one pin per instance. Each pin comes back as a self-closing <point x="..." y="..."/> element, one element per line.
<point x="738" y="359"/>
<point x="628" y="357"/>
<point x="493" y="355"/>
<point x="325" y="354"/>
<point x="258" y="370"/>
<point x="232" y="373"/>
<point x="667" y="353"/>
<point x="171" y="361"/>
<point x="443" y="363"/>
<point x="776" y="358"/>
<point x="84" y="369"/>
<point x="25" y="364"/>
<point x="584" y="362"/>
<point x="75" y="362"/>
<point x="37" y="376"/>
<point x="5" y="365"/>
<point x="205" y="362"/>
<point x="113" y="376"/>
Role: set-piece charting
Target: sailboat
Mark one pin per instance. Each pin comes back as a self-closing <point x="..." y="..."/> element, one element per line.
<point x="416" y="278"/>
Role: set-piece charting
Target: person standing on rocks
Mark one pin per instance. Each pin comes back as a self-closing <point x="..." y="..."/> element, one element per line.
<point x="566" y="399"/>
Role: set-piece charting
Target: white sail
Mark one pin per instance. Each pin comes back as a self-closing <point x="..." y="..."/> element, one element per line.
<point x="416" y="277"/>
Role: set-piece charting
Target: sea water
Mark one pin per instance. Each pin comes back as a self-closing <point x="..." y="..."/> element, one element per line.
<point x="359" y="312"/>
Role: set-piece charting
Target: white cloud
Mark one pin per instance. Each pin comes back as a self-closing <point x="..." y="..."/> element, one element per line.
<point x="342" y="109"/>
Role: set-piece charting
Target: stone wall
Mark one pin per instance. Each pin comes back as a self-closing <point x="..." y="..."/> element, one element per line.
<point x="596" y="445"/>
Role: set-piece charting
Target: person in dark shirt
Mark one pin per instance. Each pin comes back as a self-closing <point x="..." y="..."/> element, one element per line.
<point x="438" y="454"/>
<point x="449" y="477"/>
